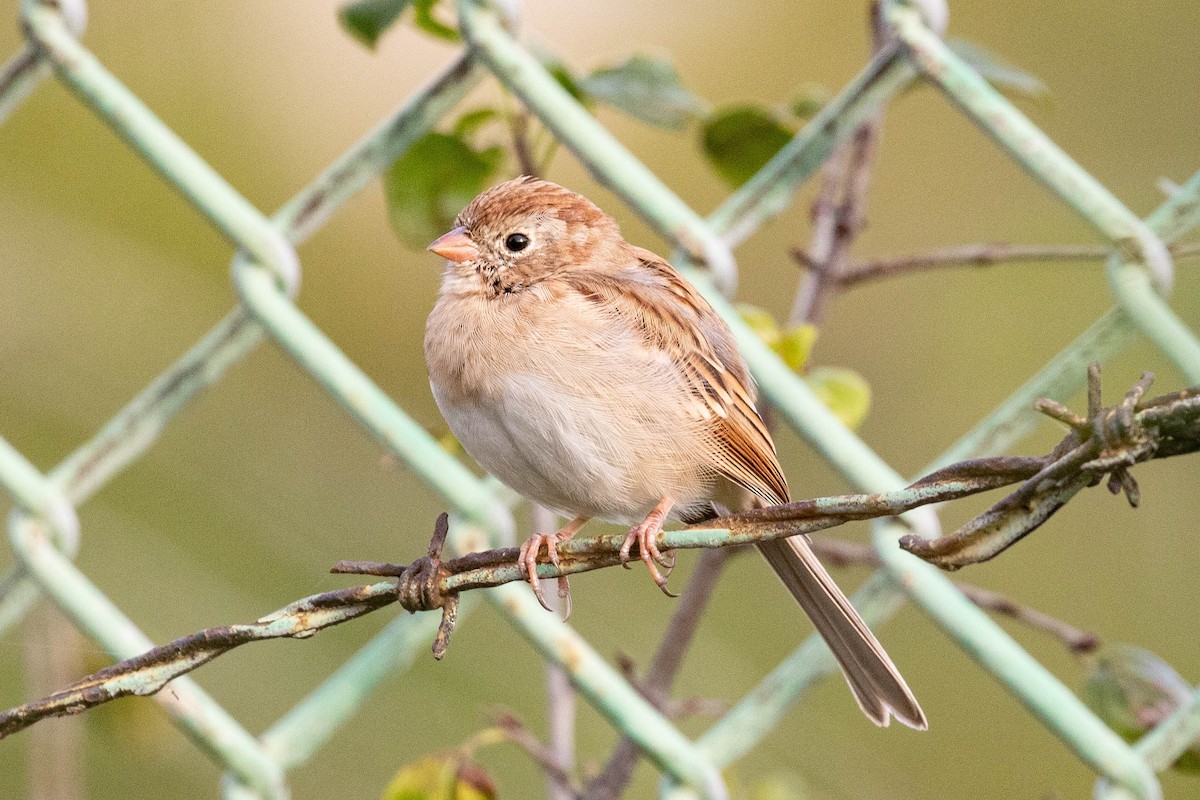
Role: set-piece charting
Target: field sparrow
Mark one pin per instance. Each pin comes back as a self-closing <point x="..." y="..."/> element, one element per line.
<point x="586" y="374"/>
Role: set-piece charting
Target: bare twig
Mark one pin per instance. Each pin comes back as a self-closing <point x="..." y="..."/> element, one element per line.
<point x="561" y="779"/>
<point x="560" y="694"/>
<point x="682" y="707"/>
<point x="851" y="214"/>
<point x="671" y="707"/>
<point x="836" y="224"/>
<point x="839" y="552"/>
<point x="838" y="215"/>
<point x="656" y="685"/>
<point x="970" y="255"/>
<point x="1108" y="442"/>
<point x="53" y="656"/>
<point x="526" y="162"/>
<point x="668" y="658"/>
<point x="1075" y="639"/>
<point x="824" y="225"/>
<point x="561" y="707"/>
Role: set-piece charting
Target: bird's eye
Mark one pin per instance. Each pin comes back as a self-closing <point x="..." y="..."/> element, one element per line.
<point x="516" y="242"/>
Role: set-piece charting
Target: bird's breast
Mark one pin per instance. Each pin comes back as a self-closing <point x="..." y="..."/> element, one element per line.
<point x="565" y="406"/>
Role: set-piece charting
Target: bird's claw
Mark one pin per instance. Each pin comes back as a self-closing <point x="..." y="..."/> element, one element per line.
<point x="645" y="535"/>
<point x="527" y="560"/>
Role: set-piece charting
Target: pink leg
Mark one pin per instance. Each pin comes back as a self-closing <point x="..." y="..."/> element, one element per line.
<point x="645" y="534"/>
<point x="527" y="560"/>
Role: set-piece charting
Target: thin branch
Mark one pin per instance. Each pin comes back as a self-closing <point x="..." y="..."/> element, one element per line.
<point x="656" y="684"/>
<point x="671" y="707"/>
<point x="560" y="694"/>
<point x="824" y="225"/>
<point x="839" y="552"/>
<point x="543" y="756"/>
<point x="561" y="724"/>
<point x="53" y="651"/>
<point x="851" y="214"/>
<point x="1075" y="639"/>
<point x="682" y="707"/>
<point x="526" y="162"/>
<point x="1108" y="442"/>
<point x="971" y="255"/>
<point x="668" y="658"/>
<point x="836" y="225"/>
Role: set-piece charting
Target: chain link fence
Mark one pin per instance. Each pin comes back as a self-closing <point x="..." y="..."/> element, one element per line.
<point x="44" y="530"/>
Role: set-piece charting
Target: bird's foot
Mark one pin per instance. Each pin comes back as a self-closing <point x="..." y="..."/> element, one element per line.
<point x="645" y="535"/>
<point x="527" y="561"/>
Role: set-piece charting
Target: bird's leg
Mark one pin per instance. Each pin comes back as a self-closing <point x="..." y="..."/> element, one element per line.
<point x="527" y="560"/>
<point x="644" y="534"/>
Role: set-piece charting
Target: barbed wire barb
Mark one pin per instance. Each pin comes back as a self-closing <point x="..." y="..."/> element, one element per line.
<point x="1104" y="443"/>
<point x="1110" y="440"/>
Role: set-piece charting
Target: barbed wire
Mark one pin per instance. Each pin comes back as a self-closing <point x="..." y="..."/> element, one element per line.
<point x="1107" y="442"/>
<point x="1138" y="268"/>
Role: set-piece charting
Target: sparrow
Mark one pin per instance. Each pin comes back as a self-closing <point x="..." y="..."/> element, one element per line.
<point x="590" y="377"/>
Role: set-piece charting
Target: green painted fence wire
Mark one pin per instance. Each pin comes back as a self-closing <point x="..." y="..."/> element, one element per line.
<point x="44" y="529"/>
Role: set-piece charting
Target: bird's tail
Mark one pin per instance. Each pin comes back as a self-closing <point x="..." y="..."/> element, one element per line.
<point x="876" y="683"/>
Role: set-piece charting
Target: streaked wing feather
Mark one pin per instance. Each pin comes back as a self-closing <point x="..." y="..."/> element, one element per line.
<point x="675" y="318"/>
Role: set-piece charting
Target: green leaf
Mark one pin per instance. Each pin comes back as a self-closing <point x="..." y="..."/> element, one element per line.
<point x="427" y="186"/>
<point x="562" y="73"/>
<point x="441" y="777"/>
<point x="739" y="140"/>
<point x="760" y="321"/>
<point x="812" y="98"/>
<point x="648" y="89"/>
<point x="424" y="19"/>
<point x="1132" y="690"/>
<point x="450" y="443"/>
<point x="847" y="393"/>
<point x="470" y="123"/>
<point x="795" y="345"/>
<point x="366" y="20"/>
<point x="1005" y="76"/>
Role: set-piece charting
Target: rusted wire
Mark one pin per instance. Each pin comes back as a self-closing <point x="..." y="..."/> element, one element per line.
<point x="1107" y="442"/>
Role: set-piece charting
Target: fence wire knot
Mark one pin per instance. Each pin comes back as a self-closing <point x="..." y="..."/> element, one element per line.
<point x="419" y="585"/>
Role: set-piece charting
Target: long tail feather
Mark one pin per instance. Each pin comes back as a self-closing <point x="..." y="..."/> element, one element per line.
<point x="876" y="683"/>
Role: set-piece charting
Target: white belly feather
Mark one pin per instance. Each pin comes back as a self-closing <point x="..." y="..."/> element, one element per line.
<point x="548" y="447"/>
<point x="557" y="431"/>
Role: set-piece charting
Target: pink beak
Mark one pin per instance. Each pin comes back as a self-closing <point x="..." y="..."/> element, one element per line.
<point x="455" y="246"/>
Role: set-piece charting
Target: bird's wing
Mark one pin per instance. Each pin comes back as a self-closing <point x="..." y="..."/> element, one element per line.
<point x="674" y="318"/>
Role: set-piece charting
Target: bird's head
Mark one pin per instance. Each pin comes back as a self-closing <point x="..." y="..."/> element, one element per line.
<point x="524" y="231"/>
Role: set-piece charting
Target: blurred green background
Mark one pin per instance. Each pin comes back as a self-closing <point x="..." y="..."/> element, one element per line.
<point x="107" y="275"/>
